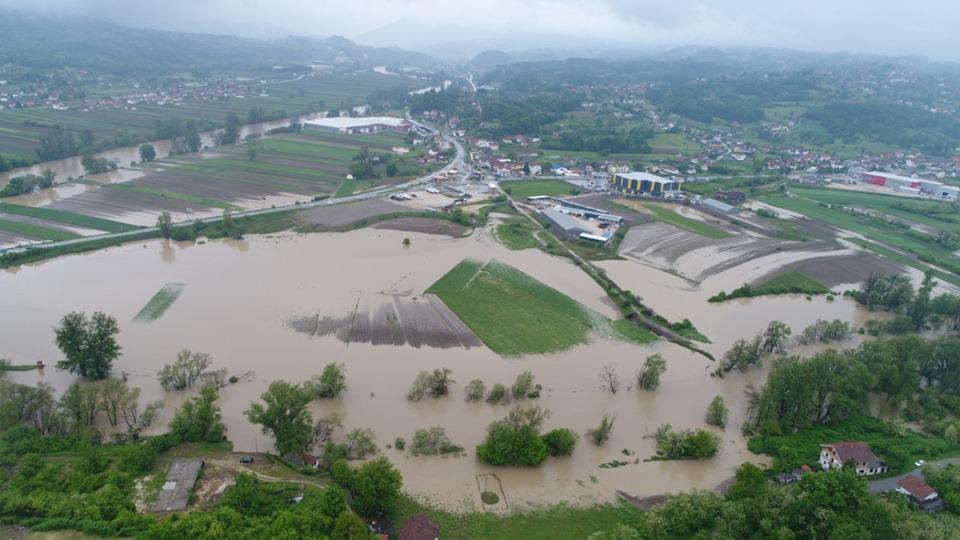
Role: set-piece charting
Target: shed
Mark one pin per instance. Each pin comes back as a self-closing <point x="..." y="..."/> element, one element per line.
<point x="719" y="207"/>
<point x="567" y="223"/>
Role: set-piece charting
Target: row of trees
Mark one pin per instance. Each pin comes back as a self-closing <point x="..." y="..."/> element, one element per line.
<point x="20" y="185"/>
<point x="833" y="386"/>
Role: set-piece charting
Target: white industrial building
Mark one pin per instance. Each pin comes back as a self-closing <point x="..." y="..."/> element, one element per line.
<point x="359" y="125"/>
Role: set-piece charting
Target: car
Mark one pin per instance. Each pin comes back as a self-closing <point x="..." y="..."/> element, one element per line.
<point x="246" y="459"/>
<point x="919" y="463"/>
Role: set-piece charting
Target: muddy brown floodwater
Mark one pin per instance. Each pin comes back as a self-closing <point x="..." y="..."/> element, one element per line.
<point x="239" y="297"/>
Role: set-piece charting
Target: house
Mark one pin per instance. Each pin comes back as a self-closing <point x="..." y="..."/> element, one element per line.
<point x="419" y="528"/>
<point x="792" y="477"/>
<point x="856" y="454"/>
<point x="920" y="493"/>
<point x="310" y="460"/>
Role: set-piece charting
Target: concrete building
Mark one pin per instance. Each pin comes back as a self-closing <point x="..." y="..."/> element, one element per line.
<point x="641" y="182"/>
<point x="854" y="454"/>
<point x="567" y="223"/>
<point x="898" y="182"/>
<point x="359" y="125"/>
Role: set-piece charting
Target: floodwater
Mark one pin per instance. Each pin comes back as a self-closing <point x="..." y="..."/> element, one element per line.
<point x="72" y="167"/>
<point x="239" y="296"/>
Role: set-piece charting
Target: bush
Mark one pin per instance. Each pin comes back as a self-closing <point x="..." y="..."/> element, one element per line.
<point x="522" y="386"/>
<point x="560" y="442"/>
<point x="475" y="390"/>
<point x="428" y="384"/>
<point x="687" y="444"/>
<point x="717" y="412"/>
<point x="432" y="441"/>
<point x="507" y="444"/>
<point x="601" y="433"/>
<point x="498" y="394"/>
<point x="329" y="384"/>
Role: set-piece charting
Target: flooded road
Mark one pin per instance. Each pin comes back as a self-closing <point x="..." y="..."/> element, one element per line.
<point x="239" y="295"/>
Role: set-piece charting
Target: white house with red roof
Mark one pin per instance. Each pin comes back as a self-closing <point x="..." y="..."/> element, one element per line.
<point x="851" y="453"/>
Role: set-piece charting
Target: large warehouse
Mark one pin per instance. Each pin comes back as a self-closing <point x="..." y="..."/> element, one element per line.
<point x="641" y="182"/>
<point x="906" y="183"/>
<point x="361" y="125"/>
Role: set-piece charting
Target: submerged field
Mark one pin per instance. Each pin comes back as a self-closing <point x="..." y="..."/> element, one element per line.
<point x="515" y="314"/>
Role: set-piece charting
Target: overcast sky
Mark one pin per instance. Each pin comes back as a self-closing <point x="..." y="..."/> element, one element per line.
<point x="896" y="27"/>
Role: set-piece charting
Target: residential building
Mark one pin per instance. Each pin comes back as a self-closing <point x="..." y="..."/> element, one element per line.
<point x="920" y="493"/>
<point x="851" y="453"/>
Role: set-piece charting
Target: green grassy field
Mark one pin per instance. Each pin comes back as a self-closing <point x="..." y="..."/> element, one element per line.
<point x="549" y="523"/>
<point x="516" y="234"/>
<point x="667" y="215"/>
<point x="514" y="314"/>
<point x="37" y="232"/>
<point x="792" y="280"/>
<point x="67" y="218"/>
<point x="21" y="129"/>
<point x="905" y="260"/>
<point x="521" y="189"/>
<point x="873" y="229"/>
<point x="160" y="302"/>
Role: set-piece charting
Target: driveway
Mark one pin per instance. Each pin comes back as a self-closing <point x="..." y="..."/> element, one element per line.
<point x="890" y="484"/>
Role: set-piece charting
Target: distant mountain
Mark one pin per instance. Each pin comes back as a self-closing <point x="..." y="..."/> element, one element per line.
<point x="45" y="42"/>
<point x="490" y="58"/>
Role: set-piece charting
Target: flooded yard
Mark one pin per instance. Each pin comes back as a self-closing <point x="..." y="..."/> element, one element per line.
<point x="239" y="299"/>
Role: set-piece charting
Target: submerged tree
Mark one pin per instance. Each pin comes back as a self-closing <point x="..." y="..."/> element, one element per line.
<point x="199" y="419"/>
<point x="329" y="384"/>
<point x="653" y="367"/>
<point x="185" y="371"/>
<point x="609" y="380"/>
<point x="284" y="416"/>
<point x="89" y="345"/>
<point x="602" y="432"/>
<point x="717" y="412"/>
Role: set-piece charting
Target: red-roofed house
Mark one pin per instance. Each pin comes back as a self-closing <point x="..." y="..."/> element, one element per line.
<point x="856" y="454"/>
<point x="419" y="528"/>
<point x="920" y="493"/>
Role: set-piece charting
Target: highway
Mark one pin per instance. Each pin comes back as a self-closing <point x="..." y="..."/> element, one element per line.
<point x="457" y="163"/>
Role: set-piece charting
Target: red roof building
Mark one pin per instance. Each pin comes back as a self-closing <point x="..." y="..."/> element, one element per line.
<point x="853" y="453"/>
<point x="419" y="528"/>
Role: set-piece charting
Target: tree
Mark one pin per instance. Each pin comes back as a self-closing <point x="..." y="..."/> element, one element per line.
<point x="432" y="441"/>
<point x="609" y="380"/>
<point x="560" y="442"/>
<point x="329" y="384"/>
<point x="360" y="443"/>
<point x="428" y="384"/>
<point x="193" y="141"/>
<point x="185" y="371"/>
<point x="717" y="412"/>
<point x="199" y="419"/>
<point x="775" y="337"/>
<point x="601" y="433"/>
<point x="284" y="416"/>
<point x="349" y="526"/>
<point x="508" y="444"/>
<point x="147" y="152"/>
<point x="919" y="309"/>
<point x="649" y="377"/>
<point x="391" y="170"/>
<point x="475" y="390"/>
<point x="751" y="483"/>
<point x="376" y="487"/>
<point x="523" y="385"/>
<point x="114" y="395"/>
<point x="165" y="224"/>
<point x="324" y="428"/>
<point x="252" y="153"/>
<point x="80" y="404"/>
<point x="231" y="130"/>
<point x="88" y="344"/>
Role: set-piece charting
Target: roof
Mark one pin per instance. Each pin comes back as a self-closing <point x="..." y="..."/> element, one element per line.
<point x="419" y="528"/>
<point x="902" y="177"/>
<point x="564" y="221"/>
<point x="181" y="476"/>
<point x="343" y="122"/>
<point x="855" y="451"/>
<point x="917" y="488"/>
<point x="719" y="206"/>
<point x="644" y="176"/>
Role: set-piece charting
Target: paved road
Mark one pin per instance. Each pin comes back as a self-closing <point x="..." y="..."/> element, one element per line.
<point x="456" y="163"/>
<point x="890" y="484"/>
